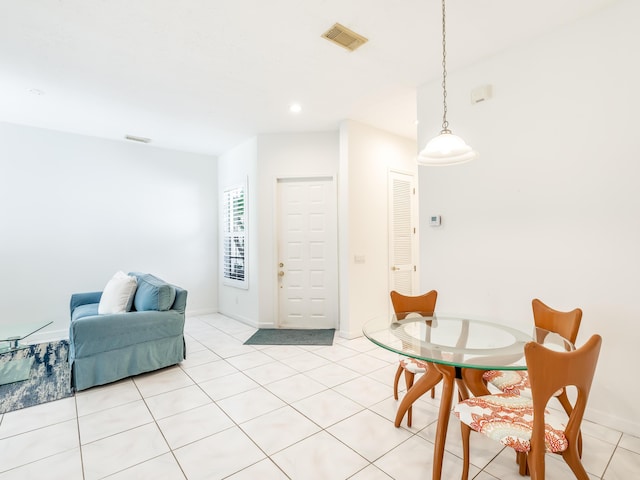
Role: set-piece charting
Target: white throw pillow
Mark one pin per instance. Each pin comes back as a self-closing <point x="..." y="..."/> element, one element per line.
<point x="117" y="296"/>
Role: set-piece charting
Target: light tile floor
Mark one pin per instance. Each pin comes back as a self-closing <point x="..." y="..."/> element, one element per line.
<point x="243" y="412"/>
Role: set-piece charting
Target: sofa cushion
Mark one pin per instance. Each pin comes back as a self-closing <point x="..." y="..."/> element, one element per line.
<point x="117" y="296"/>
<point x="153" y="294"/>
<point x="86" y="310"/>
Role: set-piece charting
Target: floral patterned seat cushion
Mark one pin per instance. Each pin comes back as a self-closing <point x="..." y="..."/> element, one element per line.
<point x="513" y="382"/>
<point x="413" y="365"/>
<point x="509" y="420"/>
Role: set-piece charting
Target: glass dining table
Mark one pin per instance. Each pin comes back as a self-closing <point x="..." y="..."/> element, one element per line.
<point x="458" y="350"/>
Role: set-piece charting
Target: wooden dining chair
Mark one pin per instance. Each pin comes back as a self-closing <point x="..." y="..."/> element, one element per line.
<point x="525" y="424"/>
<point x="565" y="324"/>
<point x="404" y="305"/>
<point x="516" y="382"/>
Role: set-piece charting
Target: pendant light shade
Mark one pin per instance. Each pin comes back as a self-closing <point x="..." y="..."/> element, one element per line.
<point x="446" y="148"/>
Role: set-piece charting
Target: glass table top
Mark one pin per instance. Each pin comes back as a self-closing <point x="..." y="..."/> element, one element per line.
<point x="13" y="367"/>
<point x="14" y="332"/>
<point x="459" y="342"/>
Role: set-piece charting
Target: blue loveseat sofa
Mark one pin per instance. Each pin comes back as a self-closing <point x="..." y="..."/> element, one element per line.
<point x="108" y="347"/>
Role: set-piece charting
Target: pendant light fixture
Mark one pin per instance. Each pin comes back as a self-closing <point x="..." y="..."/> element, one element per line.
<point x="446" y="148"/>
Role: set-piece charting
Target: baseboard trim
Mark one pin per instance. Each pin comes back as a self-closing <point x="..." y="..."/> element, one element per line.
<point x="349" y="335"/>
<point x="199" y="312"/>
<point x="625" y="425"/>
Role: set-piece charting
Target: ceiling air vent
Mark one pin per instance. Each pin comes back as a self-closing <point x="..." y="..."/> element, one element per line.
<point x="341" y="35"/>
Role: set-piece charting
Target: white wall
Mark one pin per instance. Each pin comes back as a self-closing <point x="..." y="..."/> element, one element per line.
<point x="367" y="155"/>
<point x="238" y="166"/>
<point x="76" y="209"/>
<point x="551" y="208"/>
<point x="285" y="156"/>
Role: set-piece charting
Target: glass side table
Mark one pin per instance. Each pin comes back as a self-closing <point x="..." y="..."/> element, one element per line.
<point x="16" y="369"/>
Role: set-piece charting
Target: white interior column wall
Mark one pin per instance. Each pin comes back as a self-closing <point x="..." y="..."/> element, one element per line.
<point x="367" y="156"/>
<point x="235" y="167"/>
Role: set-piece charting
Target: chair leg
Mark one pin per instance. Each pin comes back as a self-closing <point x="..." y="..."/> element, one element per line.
<point x="523" y="465"/>
<point x="564" y="401"/>
<point x="396" y="380"/>
<point x="566" y="404"/>
<point x="535" y="460"/>
<point x="466" y="431"/>
<point x="408" y="380"/>
<point x="580" y="443"/>
<point x="572" y="458"/>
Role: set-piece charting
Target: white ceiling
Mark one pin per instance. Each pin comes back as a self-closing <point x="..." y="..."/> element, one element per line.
<point x="204" y="75"/>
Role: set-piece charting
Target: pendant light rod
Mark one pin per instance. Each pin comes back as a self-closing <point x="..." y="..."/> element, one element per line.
<point x="445" y="123"/>
<point x="446" y="148"/>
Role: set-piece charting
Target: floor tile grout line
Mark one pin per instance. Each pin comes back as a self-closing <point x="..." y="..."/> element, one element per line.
<point x="155" y="421"/>
<point x="259" y="384"/>
<point x="322" y="429"/>
<point x="75" y="402"/>
<point x="239" y="427"/>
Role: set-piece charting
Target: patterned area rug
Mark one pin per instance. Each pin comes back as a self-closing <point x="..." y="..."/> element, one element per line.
<point x="292" y="336"/>
<point x="49" y="379"/>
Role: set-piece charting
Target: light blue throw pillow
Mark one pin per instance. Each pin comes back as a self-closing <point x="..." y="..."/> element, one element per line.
<point x="153" y="294"/>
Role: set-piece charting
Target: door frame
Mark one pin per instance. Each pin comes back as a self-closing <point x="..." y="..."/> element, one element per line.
<point x="276" y="218"/>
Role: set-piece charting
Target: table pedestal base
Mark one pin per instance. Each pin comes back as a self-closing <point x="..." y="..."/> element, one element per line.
<point x="466" y="380"/>
<point x="425" y="382"/>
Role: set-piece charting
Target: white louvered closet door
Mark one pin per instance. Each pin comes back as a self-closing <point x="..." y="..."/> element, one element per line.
<point x="402" y="233"/>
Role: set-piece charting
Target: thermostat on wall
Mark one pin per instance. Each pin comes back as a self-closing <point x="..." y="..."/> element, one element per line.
<point x="434" y="220"/>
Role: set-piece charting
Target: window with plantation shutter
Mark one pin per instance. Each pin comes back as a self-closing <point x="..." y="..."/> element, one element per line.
<point x="234" y="242"/>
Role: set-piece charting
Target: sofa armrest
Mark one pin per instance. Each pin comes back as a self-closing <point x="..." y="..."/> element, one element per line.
<point x="180" y="303"/>
<point x="78" y="299"/>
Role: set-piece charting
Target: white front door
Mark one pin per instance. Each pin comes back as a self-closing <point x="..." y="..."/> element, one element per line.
<point x="307" y="253"/>
<point x="402" y="233"/>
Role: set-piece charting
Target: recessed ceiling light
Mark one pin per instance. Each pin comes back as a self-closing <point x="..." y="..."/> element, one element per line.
<point x="295" y="108"/>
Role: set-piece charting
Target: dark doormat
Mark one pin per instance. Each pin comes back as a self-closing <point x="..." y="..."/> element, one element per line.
<point x="49" y="379"/>
<point x="292" y="336"/>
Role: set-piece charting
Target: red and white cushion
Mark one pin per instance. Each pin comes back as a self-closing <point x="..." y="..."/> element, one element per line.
<point x="509" y="420"/>
<point x="413" y="365"/>
<point x="514" y="382"/>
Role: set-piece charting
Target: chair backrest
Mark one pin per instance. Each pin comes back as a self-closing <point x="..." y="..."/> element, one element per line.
<point x="551" y="370"/>
<point x="424" y="304"/>
<point x="565" y="324"/>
